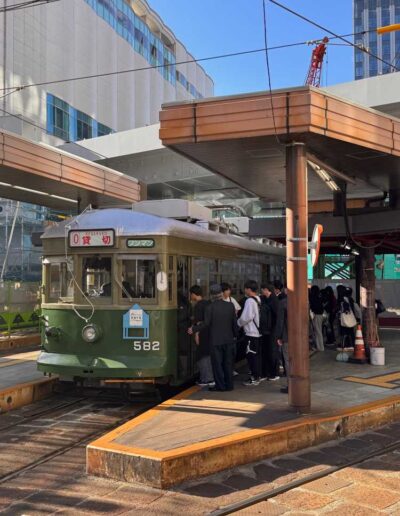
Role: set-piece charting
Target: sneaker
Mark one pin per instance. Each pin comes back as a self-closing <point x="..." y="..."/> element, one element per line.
<point x="262" y="379"/>
<point x="273" y="378"/>
<point x="202" y="384"/>
<point x="250" y="382"/>
<point x="210" y="384"/>
<point x="235" y="373"/>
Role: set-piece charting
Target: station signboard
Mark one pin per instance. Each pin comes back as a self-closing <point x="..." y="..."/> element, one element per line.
<point x="91" y="238"/>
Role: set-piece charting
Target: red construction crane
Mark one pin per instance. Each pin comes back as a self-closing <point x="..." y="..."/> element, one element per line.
<point x="317" y="59"/>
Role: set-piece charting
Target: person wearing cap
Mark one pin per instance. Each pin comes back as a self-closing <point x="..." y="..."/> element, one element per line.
<point x="220" y="319"/>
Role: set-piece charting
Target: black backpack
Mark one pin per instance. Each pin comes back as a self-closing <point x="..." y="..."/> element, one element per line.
<point x="265" y="313"/>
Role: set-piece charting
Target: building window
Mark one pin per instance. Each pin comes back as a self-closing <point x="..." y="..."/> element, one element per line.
<point x="57" y="117"/>
<point x="69" y="124"/>
<point x="102" y="130"/>
<point x="84" y="126"/>
<point x="121" y="17"/>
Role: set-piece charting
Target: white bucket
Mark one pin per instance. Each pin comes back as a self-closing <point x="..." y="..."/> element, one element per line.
<point x="377" y="356"/>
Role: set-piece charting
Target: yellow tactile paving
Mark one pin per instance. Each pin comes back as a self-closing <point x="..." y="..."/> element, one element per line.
<point x="385" y="381"/>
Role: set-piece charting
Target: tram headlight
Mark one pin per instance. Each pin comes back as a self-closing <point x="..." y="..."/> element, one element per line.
<point x="91" y="333"/>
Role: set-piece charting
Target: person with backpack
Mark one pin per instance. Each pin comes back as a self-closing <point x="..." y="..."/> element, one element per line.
<point x="269" y="349"/>
<point x="250" y="322"/>
<point x="347" y="316"/>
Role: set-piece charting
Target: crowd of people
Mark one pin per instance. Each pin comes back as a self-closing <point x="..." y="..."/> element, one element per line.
<point x="333" y="318"/>
<point x="224" y="329"/>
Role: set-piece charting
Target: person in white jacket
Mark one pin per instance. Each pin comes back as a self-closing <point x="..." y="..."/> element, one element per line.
<point x="250" y="322"/>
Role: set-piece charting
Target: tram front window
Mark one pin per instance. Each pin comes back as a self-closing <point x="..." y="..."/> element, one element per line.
<point x="139" y="278"/>
<point x="60" y="280"/>
<point x="96" y="277"/>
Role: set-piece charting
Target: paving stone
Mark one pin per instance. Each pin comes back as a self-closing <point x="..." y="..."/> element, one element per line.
<point x="356" y="444"/>
<point x="54" y="499"/>
<point x="101" y="506"/>
<point x="316" y="456"/>
<point x="352" y="510"/>
<point x="343" y="451"/>
<point x="136" y="495"/>
<point x="292" y="464"/>
<point x="240" y="482"/>
<point x="372" y="496"/>
<point x="27" y="509"/>
<point x="268" y="473"/>
<point x="306" y="500"/>
<point x="327" y="485"/>
<point x="209" y="490"/>
<point x="377" y="438"/>
<point x="90" y="486"/>
<point x="265" y="508"/>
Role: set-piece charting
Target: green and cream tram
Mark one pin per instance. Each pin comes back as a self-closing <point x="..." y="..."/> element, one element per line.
<point x="115" y="293"/>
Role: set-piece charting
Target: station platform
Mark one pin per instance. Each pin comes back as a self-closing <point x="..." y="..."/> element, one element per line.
<point x="20" y="381"/>
<point x="19" y="340"/>
<point x="199" y="432"/>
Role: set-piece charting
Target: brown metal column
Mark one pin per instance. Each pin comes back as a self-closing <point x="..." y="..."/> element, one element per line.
<point x="296" y="260"/>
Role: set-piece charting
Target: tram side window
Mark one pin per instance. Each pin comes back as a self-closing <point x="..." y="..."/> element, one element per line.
<point x="139" y="277"/>
<point x="60" y="281"/>
<point x="96" y="276"/>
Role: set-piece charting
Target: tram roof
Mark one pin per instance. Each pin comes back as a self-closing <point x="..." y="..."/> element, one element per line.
<point x="131" y="223"/>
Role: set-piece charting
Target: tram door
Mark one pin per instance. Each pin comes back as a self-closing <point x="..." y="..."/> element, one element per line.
<point x="185" y="346"/>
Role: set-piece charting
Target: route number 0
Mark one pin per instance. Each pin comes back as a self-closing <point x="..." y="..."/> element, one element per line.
<point x="138" y="345"/>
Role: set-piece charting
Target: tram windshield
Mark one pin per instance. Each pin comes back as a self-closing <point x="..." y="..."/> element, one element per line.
<point x="60" y="281"/>
<point x="139" y="277"/>
<point x="96" y="276"/>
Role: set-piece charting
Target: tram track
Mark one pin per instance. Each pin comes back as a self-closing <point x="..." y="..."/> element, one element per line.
<point x="272" y="493"/>
<point x="31" y="440"/>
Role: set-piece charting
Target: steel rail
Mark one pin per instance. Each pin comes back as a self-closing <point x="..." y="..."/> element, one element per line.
<point x="271" y="493"/>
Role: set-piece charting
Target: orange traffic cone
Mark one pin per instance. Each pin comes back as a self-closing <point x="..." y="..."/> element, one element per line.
<point x="359" y="356"/>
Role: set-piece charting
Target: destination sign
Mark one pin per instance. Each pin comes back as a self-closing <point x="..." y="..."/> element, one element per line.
<point x="92" y="238"/>
<point x="140" y="243"/>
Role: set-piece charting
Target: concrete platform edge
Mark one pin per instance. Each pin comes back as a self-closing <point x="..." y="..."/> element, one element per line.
<point x="164" y="469"/>
<point x="23" y="394"/>
<point x="19" y="342"/>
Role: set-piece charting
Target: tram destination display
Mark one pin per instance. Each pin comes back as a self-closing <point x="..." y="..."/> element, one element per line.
<point x="91" y="238"/>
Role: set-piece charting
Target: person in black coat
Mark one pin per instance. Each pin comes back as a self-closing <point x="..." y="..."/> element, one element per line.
<point x="201" y="339"/>
<point x="220" y="319"/>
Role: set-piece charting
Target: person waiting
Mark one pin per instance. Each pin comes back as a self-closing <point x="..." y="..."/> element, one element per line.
<point x="220" y="319"/>
<point x="250" y="322"/>
<point x="269" y="348"/>
<point x="201" y="338"/>
<point x="317" y="316"/>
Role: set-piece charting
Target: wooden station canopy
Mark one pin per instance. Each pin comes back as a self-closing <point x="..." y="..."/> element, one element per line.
<point x="40" y="174"/>
<point x="242" y="138"/>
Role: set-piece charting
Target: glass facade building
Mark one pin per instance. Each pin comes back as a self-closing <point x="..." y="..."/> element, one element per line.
<point x="120" y="16"/>
<point x="368" y="15"/>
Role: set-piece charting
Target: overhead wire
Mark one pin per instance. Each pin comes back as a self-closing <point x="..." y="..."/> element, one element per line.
<point x="187" y="61"/>
<point x="268" y="69"/>
<point x="312" y="22"/>
<point x="25" y="5"/>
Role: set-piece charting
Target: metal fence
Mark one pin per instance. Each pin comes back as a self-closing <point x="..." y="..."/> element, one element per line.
<point x="19" y="305"/>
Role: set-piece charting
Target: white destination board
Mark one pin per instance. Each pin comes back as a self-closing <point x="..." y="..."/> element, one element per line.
<point x="135" y="318"/>
<point x="92" y="238"/>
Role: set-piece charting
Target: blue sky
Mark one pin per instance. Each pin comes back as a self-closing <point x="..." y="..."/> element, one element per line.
<point x="211" y="27"/>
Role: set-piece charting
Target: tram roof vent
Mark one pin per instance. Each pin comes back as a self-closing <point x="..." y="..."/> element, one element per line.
<point x="178" y="209"/>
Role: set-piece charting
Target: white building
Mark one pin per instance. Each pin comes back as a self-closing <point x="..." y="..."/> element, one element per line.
<point x="65" y="39"/>
<point x="74" y="38"/>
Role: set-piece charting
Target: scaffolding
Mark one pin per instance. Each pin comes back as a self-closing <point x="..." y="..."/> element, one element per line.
<point x="19" y="260"/>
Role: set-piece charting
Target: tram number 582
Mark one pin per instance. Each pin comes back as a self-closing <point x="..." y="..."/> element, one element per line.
<point x="146" y="345"/>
